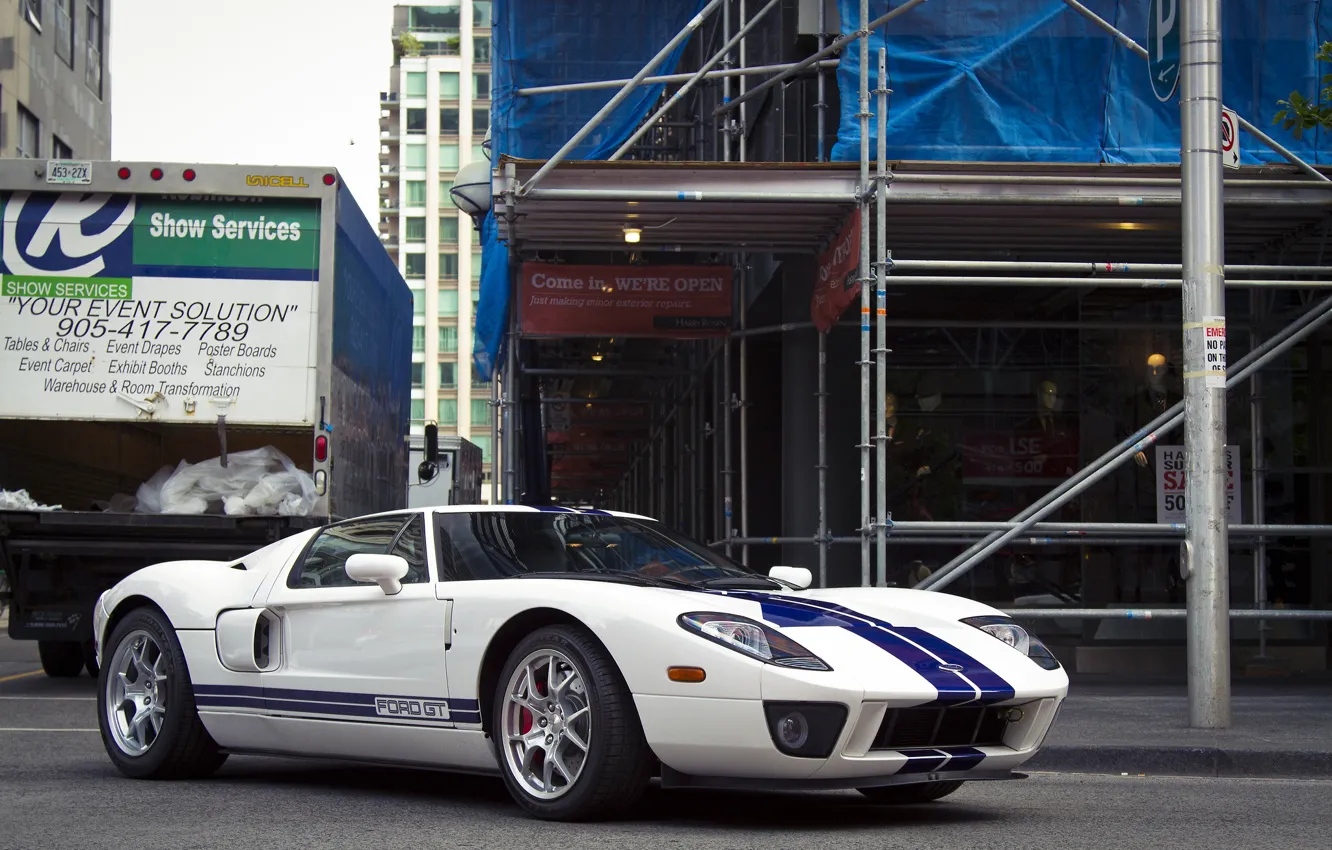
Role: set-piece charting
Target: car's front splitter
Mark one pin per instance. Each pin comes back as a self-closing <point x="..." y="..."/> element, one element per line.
<point x="671" y="778"/>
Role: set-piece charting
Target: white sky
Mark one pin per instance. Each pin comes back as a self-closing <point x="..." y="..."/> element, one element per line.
<point x="262" y="82"/>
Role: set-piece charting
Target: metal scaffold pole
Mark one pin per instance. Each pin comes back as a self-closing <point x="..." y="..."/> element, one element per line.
<point x="1257" y="309"/>
<point x="881" y="339"/>
<point x="866" y="510"/>
<point x="743" y="403"/>
<point x="821" y="107"/>
<point x="1206" y="548"/>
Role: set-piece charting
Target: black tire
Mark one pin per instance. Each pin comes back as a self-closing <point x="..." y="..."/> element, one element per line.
<point x="61" y="659"/>
<point x="618" y="765"/>
<point x="90" y="658"/>
<point x="904" y="795"/>
<point x="182" y="749"/>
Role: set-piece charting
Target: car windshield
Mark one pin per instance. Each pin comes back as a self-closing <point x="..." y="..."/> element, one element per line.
<point x="506" y="544"/>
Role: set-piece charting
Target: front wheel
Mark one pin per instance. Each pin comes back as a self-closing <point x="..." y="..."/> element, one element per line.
<point x="903" y="795"/>
<point x="145" y="703"/>
<point x="569" y="741"/>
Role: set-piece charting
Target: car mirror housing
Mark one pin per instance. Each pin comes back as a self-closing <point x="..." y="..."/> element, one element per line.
<point x="385" y="570"/>
<point x="799" y="576"/>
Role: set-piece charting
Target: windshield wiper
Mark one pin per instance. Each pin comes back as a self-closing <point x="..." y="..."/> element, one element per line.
<point x="741" y="582"/>
<point x="623" y="578"/>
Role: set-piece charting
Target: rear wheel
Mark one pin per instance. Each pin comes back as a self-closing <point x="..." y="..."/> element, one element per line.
<point x="90" y="657"/>
<point x="145" y="703"/>
<point x="923" y="792"/>
<point x="569" y="741"/>
<point x="61" y="659"/>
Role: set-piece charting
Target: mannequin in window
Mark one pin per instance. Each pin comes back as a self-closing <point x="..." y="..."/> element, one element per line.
<point x="1154" y="576"/>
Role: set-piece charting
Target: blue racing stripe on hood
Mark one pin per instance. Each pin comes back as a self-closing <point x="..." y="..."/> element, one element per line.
<point x="920" y="650"/>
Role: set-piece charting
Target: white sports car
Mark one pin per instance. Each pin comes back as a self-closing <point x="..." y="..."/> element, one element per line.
<point x="576" y="653"/>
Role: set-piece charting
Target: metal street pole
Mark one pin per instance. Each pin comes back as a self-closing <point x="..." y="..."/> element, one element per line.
<point x="1206" y="547"/>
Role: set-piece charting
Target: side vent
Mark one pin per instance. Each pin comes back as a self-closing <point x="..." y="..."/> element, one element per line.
<point x="263" y="631"/>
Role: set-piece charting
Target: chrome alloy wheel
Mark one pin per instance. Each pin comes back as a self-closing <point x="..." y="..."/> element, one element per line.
<point x="136" y="693"/>
<point x="546" y="724"/>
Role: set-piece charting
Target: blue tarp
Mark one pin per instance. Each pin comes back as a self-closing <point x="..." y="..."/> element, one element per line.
<point x="540" y="43"/>
<point x="1034" y="81"/>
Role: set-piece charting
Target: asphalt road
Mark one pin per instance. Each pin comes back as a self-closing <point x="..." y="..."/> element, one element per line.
<point x="58" y="790"/>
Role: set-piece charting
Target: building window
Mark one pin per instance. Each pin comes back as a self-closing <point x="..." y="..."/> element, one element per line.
<point x="481" y="13"/>
<point x="445" y="17"/>
<point x="445" y="199"/>
<point x="418" y="409"/>
<point x="448" y="157"/>
<point x="416" y="228"/>
<point x="476" y="266"/>
<point x="416" y="84"/>
<point x="449" y="86"/>
<point x="418" y="338"/>
<point x="33" y="10"/>
<point x="448" y="229"/>
<point x="478" y="152"/>
<point x="448" y="264"/>
<point x="418" y="302"/>
<point x="448" y="407"/>
<point x="93" y="76"/>
<point x="413" y="156"/>
<point x="448" y="338"/>
<point x="480" y="411"/>
<point x="481" y="86"/>
<point x="448" y="303"/>
<point x="448" y="379"/>
<point x="480" y="120"/>
<point x="416" y="194"/>
<point x="448" y="120"/>
<point x="64" y="31"/>
<point x="418" y="374"/>
<point x="482" y="441"/>
<point x="60" y="150"/>
<point x="481" y="49"/>
<point x="415" y="265"/>
<point x="416" y="120"/>
<point x="30" y="135"/>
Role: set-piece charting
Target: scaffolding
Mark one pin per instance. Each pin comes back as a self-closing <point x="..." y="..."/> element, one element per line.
<point x="738" y="210"/>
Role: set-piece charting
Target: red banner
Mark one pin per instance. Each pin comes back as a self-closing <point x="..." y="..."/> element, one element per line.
<point x="836" y="285"/>
<point x="1020" y="453"/>
<point x="649" y="301"/>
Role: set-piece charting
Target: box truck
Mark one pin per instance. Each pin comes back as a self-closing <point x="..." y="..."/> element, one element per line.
<point x="195" y="360"/>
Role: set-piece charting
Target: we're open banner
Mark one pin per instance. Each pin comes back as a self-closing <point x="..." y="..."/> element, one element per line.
<point x="648" y="301"/>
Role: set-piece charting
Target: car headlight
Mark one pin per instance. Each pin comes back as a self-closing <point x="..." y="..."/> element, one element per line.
<point x="751" y="638"/>
<point x="1017" y="637"/>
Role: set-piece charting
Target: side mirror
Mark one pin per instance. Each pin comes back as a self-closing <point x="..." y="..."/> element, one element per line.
<point x="799" y="576"/>
<point x="387" y="571"/>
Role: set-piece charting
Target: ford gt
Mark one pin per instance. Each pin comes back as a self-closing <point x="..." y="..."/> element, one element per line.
<point x="578" y="654"/>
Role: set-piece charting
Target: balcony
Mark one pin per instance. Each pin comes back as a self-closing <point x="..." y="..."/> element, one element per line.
<point x="389" y="137"/>
<point x="389" y="99"/>
<point x="389" y="169"/>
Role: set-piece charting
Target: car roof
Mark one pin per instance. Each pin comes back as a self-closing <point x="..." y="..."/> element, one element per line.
<point x="524" y="509"/>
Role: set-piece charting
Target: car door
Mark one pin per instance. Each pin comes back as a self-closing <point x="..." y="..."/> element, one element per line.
<point x="362" y="672"/>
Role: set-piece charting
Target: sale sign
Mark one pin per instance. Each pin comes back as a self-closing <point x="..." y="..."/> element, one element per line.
<point x="646" y="301"/>
<point x="836" y="285"/>
<point x="1172" y="484"/>
<point x="1029" y="453"/>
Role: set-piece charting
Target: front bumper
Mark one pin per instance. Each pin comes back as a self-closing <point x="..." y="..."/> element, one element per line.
<point x="726" y="742"/>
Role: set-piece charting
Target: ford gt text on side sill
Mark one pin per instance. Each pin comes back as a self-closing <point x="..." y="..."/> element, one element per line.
<point x="578" y="654"/>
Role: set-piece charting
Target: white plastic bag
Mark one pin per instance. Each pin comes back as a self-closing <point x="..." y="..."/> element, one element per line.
<point x="19" y="500"/>
<point x="259" y="482"/>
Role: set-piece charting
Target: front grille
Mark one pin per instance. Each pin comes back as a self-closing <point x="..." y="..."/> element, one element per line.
<point x="957" y="726"/>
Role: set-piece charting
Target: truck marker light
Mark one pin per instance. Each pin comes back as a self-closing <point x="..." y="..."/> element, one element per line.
<point x="321" y="448"/>
<point x="123" y="173"/>
<point x="329" y="179"/>
<point x="188" y="174"/>
<point x="156" y="174"/>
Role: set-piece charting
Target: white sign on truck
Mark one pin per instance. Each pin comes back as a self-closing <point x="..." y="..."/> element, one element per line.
<point x="115" y="307"/>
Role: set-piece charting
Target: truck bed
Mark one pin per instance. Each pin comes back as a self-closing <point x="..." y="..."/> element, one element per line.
<point x="60" y="561"/>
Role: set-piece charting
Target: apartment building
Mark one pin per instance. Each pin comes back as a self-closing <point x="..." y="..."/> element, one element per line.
<point x="433" y="119"/>
<point x="55" y="90"/>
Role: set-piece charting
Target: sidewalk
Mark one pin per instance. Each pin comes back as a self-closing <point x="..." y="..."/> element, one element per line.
<point x="1279" y="728"/>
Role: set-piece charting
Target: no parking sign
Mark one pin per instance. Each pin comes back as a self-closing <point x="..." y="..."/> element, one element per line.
<point x="1230" y="151"/>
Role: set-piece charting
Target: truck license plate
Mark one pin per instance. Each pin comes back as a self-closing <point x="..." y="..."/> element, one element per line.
<point x="68" y="171"/>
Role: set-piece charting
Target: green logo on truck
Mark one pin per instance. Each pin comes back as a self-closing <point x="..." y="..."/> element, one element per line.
<point x="226" y="234"/>
<point x="46" y="286"/>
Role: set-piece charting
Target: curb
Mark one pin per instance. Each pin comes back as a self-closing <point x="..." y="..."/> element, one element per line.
<point x="1219" y="762"/>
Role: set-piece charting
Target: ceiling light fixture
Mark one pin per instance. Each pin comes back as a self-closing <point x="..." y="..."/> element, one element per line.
<point x="632" y="234"/>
